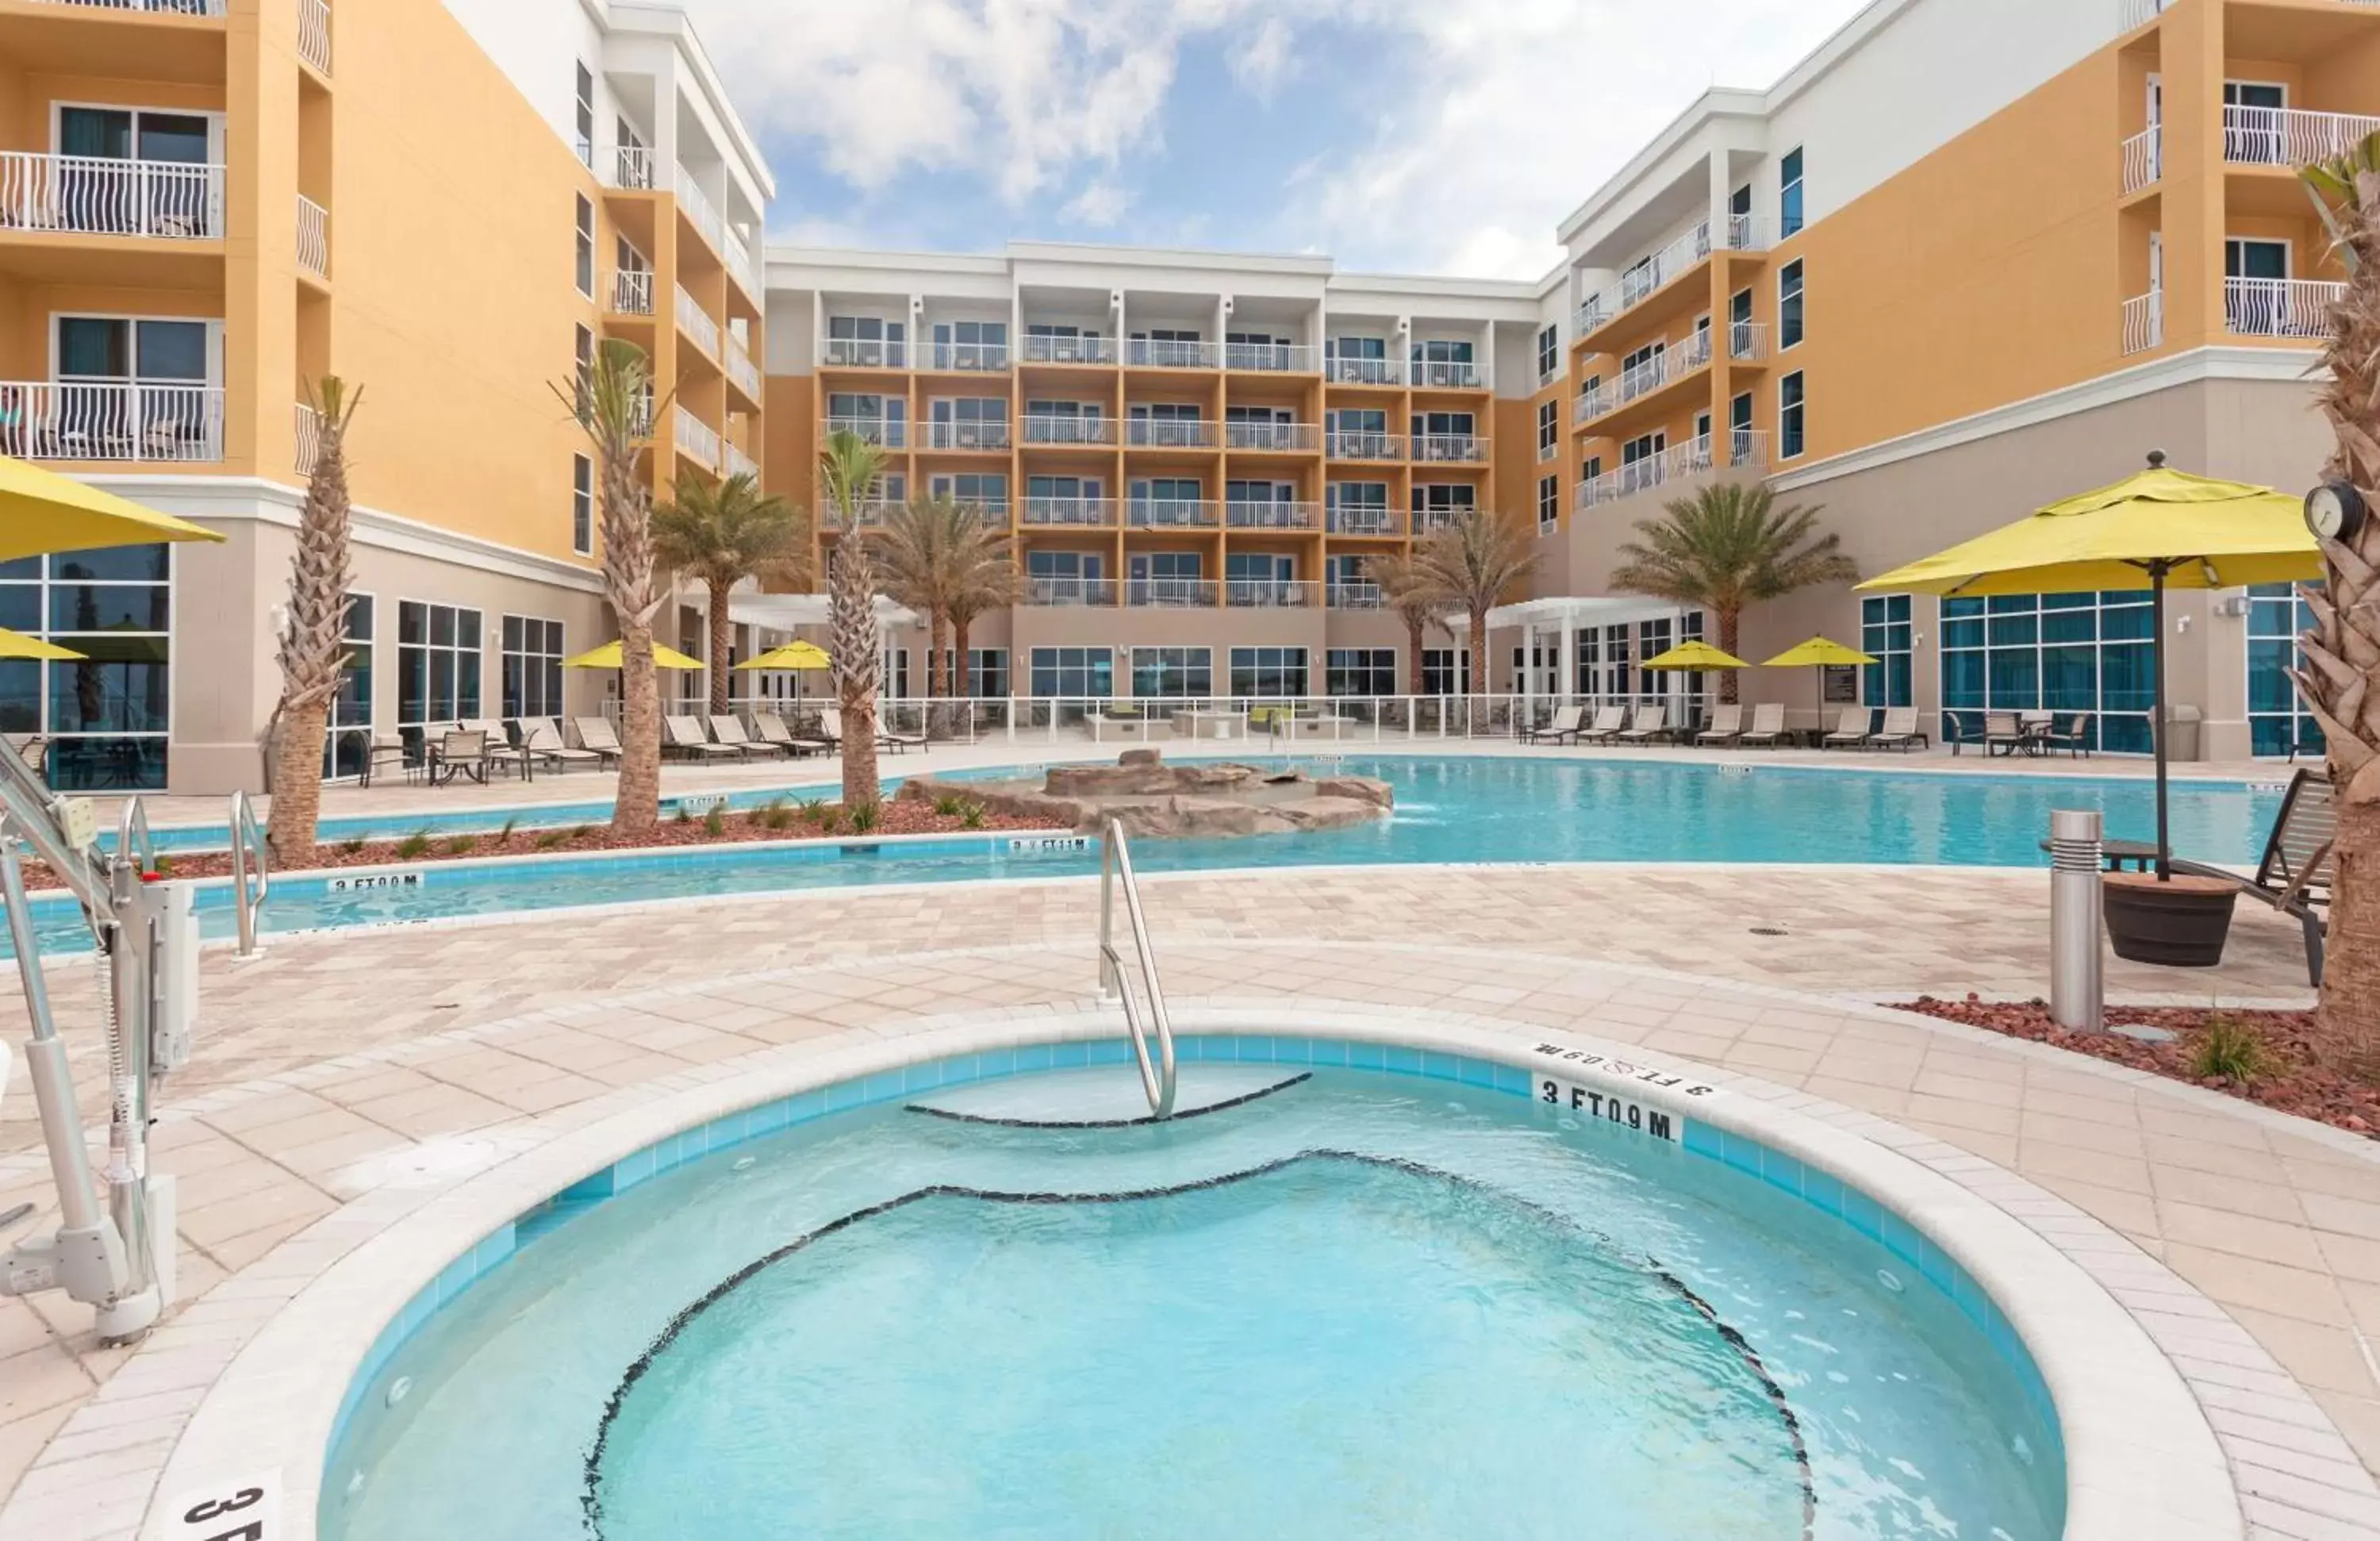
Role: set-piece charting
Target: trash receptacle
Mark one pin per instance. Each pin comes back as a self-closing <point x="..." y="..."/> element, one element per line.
<point x="2185" y="720"/>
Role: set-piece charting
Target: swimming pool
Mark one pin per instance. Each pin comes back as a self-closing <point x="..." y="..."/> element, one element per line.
<point x="1468" y="808"/>
<point x="1397" y="1293"/>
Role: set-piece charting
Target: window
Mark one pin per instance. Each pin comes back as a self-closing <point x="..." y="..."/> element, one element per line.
<point x="1792" y="425"/>
<point x="2255" y="124"/>
<point x="971" y="345"/>
<point x="1437" y="504"/>
<point x="1268" y="673"/>
<point x="1074" y="672"/>
<point x="532" y="667"/>
<point x="1358" y="508"/>
<point x="1789" y="194"/>
<point x="984" y="490"/>
<point x="129" y="388"/>
<point x="582" y="505"/>
<point x="986" y="677"/>
<point x="2061" y="653"/>
<point x="1548" y="353"/>
<point x="1167" y="579"/>
<point x="1360" y="670"/>
<point x="586" y="246"/>
<point x="2278" y="722"/>
<point x="1549" y="430"/>
<point x="1444" y="361"/>
<point x="438" y="667"/>
<point x="79" y="194"/>
<point x="1445" y="671"/>
<point x="1173" y="672"/>
<point x="586" y="98"/>
<point x="896" y="674"/>
<point x="879" y="419"/>
<point x="1789" y="305"/>
<point x="1617" y="677"/>
<point x="1885" y="636"/>
<point x="349" y="741"/>
<point x="866" y="341"/>
<point x="582" y="352"/>
<point x="1548" y="503"/>
<point x="105" y="715"/>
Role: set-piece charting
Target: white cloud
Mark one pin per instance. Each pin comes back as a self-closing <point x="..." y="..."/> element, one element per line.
<point x="1101" y="202"/>
<point x="1260" y="60"/>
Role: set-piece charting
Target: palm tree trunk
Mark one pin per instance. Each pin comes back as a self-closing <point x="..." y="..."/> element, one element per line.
<point x="313" y="648"/>
<point x="961" y="684"/>
<point x="1730" y="636"/>
<point x="636" y="807"/>
<point x="1482" y="680"/>
<point x="1414" y="640"/>
<point x="722" y="631"/>
<point x="852" y="604"/>
<point x="296" y="783"/>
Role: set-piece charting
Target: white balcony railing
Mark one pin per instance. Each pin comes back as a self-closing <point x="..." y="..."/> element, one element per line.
<point x="632" y="293"/>
<point x="1050" y="428"/>
<point x="1747" y="450"/>
<point x="2140" y="13"/>
<point x="1273" y="358"/>
<point x="313" y="236"/>
<point x="1362" y="519"/>
<point x="111" y="419"/>
<point x="869" y="514"/>
<point x="1640" y="282"/>
<point x="1642" y="379"/>
<point x="1429" y="521"/>
<point x="1170" y="592"/>
<point x="1746" y="233"/>
<point x="2144" y="159"/>
<point x="90" y="194"/>
<point x="1172" y="513"/>
<point x="740" y="266"/>
<point x="635" y="166"/>
<point x="866" y="353"/>
<point x="735" y="462"/>
<point x="1354" y="444"/>
<point x="2144" y="322"/>
<point x="1591" y="403"/>
<point x="1693" y="353"/>
<point x="1253" y="514"/>
<point x="1069" y="591"/>
<point x="1449" y="448"/>
<point x="169" y="7"/>
<point x="696" y="323"/>
<point x="1747" y="340"/>
<point x="1357" y="594"/>
<point x="696" y="440"/>
<point x="2279" y="307"/>
<point x="889" y="433"/>
<point x="1077" y="349"/>
<point x="741" y="370"/>
<point x="1092" y="513"/>
<point x="1295" y="438"/>
<point x="699" y="209"/>
<point x="1271" y="593"/>
<point x="313" y="34"/>
<point x="1170" y="432"/>
<point x="1343" y="370"/>
<point x="1445" y="374"/>
<point x="976" y="435"/>
<point x="1161" y="353"/>
<point x="967" y="357"/>
<point x="309" y="439"/>
<point x="2289" y="137"/>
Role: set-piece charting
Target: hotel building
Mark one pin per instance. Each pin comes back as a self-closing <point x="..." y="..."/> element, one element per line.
<point x="1962" y="261"/>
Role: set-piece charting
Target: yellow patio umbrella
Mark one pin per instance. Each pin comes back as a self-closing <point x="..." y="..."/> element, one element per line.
<point x="1695" y="657"/>
<point x="608" y="657"/>
<point x="2159" y="529"/>
<point x="1816" y="655"/>
<point x="16" y="644"/>
<point x="801" y="657"/>
<point x="42" y="510"/>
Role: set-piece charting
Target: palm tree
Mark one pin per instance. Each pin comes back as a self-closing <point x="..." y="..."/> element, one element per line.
<point x="985" y="578"/>
<point x="614" y="400"/>
<point x="2340" y="677"/>
<point x="1406" y="589"/>
<point x="850" y="468"/>
<point x="1726" y="548"/>
<point x="313" y="646"/>
<point x="719" y="534"/>
<point x="949" y="562"/>
<point x="1468" y="566"/>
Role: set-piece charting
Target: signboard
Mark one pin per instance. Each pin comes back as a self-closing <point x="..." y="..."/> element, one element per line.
<point x="242" y="1508"/>
<point x="1597" y="1085"/>
<point x="695" y="804"/>
<point x="1050" y="846"/>
<point x="1842" y="683"/>
<point x="410" y="877"/>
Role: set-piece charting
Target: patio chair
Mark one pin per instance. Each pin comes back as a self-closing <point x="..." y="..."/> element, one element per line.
<point x="597" y="733"/>
<point x="1726" y="725"/>
<point x="30" y="747"/>
<point x="770" y="728"/>
<point x="1565" y="724"/>
<point x="728" y="729"/>
<point x="542" y="736"/>
<point x="2299" y="862"/>
<point x="1851" y="730"/>
<point x="685" y="735"/>
<point x="1652" y="723"/>
<point x="1768" y="726"/>
<point x="2003" y="734"/>
<point x="1899" y="731"/>
<point x="1610" y="721"/>
<point x="388" y="748"/>
<point x="2075" y="738"/>
<point x="458" y="752"/>
<point x="892" y="738"/>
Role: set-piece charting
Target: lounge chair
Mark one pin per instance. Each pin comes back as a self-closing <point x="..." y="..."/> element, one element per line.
<point x="2299" y="862"/>
<point x="597" y="734"/>
<point x="2003" y="734"/>
<point x="1652" y="723"/>
<point x="1767" y="725"/>
<point x="685" y="735"/>
<point x="2075" y="739"/>
<point x="1565" y="724"/>
<point x="1610" y="721"/>
<point x="1125" y="721"/>
<point x="831" y="727"/>
<point x="1725" y="727"/>
<point x="1851" y="731"/>
<point x="728" y="729"/>
<point x="542" y="736"/>
<point x="770" y="728"/>
<point x="1899" y="731"/>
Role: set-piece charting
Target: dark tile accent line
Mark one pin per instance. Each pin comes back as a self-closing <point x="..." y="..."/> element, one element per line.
<point x="591" y="1501"/>
<point x="1240" y="1101"/>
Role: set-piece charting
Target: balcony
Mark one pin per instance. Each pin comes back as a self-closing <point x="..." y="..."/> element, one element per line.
<point x="1362" y="519"/>
<point x="313" y="31"/>
<point x="309" y="439"/>
<point x="1068" y="350"/>
<point x="866" y="353"/>
<point x="2279" y="307"/>
<point x="1286" y="438"/>
<point x="1169" y="593"/>
<point x="885" y="432"/>
<point x="2290" y="137"/>
<point x="1450" y="449"/>
<point x="1747" y="450"/>
<point x="1271" y="593"/>
<point x="1174" y="514"/>
<point x="869" y="514"/>
<point x="631" y="294"/>
<point x="87" y="195"/>
<point x="635" y="168"/>
<point x="2144" y="322"/>
<point x="168" y="7"/>
<point x="968" y="357"/>
<point x="742" y="370"/>
<point x="699" y="209"/>
<point x="313" y="237"/>
<point x="1355" y="444"/>
<point x="696" y="323"/>
<point x="1069" y="513"/>
<point x="1447" y="374"/>
<point x="1162" y="353"/>
<point x="1271" y="357"/>
<point x="1640" y="283"/>
<point x="1070" y="591"/>
<point x="1248" y="513"/>
<point x="114" y="419"/>
<point x="1048" y="428"/>
<point x="741" y="267"/>
<point x="1429" y="521"/>
<point x="1170" y="433"/>
<point x="1357" y="594"/>
<point x="735" y="462"/>
<point x="1341" y="371"/>
<point x="1591" y="403"/>
<point x="2144" y="159"/>
<point x="1747" y="342"/>
<point x="986" y="436"/>
<point x="696" y="440"/>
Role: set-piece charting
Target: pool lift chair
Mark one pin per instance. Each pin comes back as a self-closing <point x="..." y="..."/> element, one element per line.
<point x="117" y="1258"/>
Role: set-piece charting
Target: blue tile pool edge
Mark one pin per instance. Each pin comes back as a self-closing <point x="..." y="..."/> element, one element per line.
<point x="1927" y="1262"/>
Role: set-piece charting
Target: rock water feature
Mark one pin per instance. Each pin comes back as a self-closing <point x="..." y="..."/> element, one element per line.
<point x="1154" y="800"/>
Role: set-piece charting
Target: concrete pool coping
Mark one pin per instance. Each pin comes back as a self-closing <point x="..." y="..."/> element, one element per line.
<point x="2138" y="1443"/>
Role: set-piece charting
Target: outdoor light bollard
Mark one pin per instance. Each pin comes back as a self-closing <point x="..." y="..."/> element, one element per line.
<point x="2077" y="990"/>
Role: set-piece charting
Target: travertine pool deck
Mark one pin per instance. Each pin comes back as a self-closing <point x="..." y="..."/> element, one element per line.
<point x="2248" y="1243"/>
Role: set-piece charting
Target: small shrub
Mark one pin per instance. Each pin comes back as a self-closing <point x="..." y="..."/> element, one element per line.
<point x="352" y="846"/>
<point x="580" y="832"/>
<point x="829" y="818"/>
<point x="505" y="835"/>
<point x="685" y="814"/>
<point x="817" y="813"/>
<point x="776" y="816"/>
<point x="413" y="845"/>
<point x="714" y="823"/>
<point x="552" y="838"/>
<point x="972" y="815"/>
<point x="947" y="805"/>
<point x="2228" y="1050"/>
<point x="164" y="867"/>
<point x="864" y="818"/>
<point x="462" y="844"/>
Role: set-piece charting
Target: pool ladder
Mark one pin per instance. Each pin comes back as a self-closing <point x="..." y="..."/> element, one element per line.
<point x="1157" y="1079"/>
<point x="251" y="858"/>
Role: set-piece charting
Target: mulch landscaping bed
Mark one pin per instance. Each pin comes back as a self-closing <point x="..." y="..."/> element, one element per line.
<point x="2294" y="1080"/>
<point x="894" y="817"/>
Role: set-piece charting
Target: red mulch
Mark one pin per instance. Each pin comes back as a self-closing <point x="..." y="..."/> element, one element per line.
<point x="2296" y="1082"/>
<point x="894" y="817"/>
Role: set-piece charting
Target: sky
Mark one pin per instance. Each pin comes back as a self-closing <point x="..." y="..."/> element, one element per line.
<point x="1443" y="137"/>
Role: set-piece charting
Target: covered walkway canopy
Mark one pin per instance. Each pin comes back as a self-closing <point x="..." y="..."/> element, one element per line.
<point x="1564" y="619"/>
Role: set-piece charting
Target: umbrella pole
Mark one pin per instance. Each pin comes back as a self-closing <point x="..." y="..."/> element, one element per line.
<point x="2160" y="722"/>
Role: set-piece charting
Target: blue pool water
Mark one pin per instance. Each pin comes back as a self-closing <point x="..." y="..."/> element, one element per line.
<point x="1455" y="809"/>
<point x="1365" y="1305"/>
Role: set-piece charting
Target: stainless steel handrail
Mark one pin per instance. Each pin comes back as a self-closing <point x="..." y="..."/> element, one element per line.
<point x="132" y="837"/>
<point x="249" y="844"/>
<point x="1157" y="1080"/>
